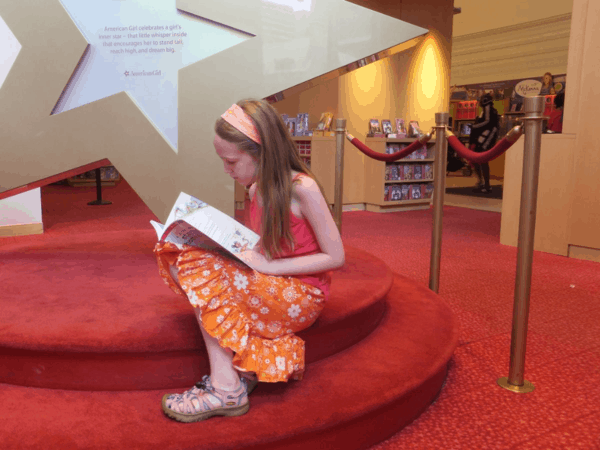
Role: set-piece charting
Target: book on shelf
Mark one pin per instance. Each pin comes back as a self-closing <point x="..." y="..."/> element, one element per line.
<point x="325" y="122"/>
<point x="417" y="172"/>
<point x="406" y="192"/>
<point x="301" y="124"/>
<point x="194" y="222"/>
<point x="291" y="124"/>
<point x="392" y="148"/>
<point x="388" y="172"/>
<point x="375" y="129"/>
<point x="427" y="190"/>
<point x="415" y="191"/>
<point x="427" y="171"/>
<point x="400" y="128"/>
<point x="386" y="193"/>
<point x="408" y="172"/>
<point x="394" y="172"/>
<point x="395" y="193"/>
<point x="413" y="129"/>
<point x="386" y="126"/>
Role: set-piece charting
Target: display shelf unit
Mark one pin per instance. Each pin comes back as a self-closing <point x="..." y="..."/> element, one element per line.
<point x="376" y="183"/>
<point x="318" y="152"/>
<point x="109" y="176"/>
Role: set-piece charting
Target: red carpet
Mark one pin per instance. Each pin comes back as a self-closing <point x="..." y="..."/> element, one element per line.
<point x="477" y="281"/>
<point x="86" y="315"/>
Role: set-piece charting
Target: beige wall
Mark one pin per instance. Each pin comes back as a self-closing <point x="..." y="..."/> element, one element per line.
<point x="481" y="16"/>
<point x="581" y="112"/>
<point x="554" y="194"/>
<point x="568" y="220"/>
<point x="516" y="51"/>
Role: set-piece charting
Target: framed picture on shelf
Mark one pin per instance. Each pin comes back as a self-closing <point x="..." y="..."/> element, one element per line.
<point x="374" y="128"/>
<point x="387" y="127"/>
<point x="465" y="129"/>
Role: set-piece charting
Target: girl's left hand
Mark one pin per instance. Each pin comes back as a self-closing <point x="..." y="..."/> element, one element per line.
<point x="255" y="260"/>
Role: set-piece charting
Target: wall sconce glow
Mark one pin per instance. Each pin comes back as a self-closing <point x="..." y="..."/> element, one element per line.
<point x="366" y="84"/>
<point x="429" y="74"/>
<point x="9" y="49"/>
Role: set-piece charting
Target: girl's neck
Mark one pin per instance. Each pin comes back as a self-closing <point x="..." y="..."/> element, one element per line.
<point x="294" y="207"/>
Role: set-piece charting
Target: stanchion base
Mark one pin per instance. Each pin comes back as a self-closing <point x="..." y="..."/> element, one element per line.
<point x="100" y="202"/>
<point x="527" y="386"/>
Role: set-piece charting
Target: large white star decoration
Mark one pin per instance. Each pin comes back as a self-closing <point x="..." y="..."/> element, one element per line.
<point x="293" y="41"/>
<point x="9" y="49"/>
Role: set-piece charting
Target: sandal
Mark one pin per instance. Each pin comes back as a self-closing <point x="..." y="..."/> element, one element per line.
<point x="248" y="379"/>
<point x="200" y="403"/>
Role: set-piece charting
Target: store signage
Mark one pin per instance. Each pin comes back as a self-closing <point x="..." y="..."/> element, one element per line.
<point x="138" y="46"/>
<point x="528" y="88"/>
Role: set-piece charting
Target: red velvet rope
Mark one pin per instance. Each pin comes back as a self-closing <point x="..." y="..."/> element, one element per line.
<point x="387" y="157"/>
<point x="479" y="158"/>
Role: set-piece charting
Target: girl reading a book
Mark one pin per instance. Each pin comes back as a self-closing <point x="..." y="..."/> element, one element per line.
<point x="248" y="315"/>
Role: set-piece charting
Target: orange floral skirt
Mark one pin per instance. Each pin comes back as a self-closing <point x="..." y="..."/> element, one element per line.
<point x="253" y="314"/>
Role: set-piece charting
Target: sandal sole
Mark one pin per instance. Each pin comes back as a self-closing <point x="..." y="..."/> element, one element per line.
<point x="189" y="418"/>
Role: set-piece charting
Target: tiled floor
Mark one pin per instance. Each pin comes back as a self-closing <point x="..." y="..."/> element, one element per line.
<point x="484" y="204"/>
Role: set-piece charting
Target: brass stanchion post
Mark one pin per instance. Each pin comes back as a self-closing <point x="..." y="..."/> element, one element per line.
<point x="531" y="164"/>
<point x="340" y="130"/>
<point x="439" y="186"/>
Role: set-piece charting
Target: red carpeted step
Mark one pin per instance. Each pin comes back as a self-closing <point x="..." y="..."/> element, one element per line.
<point x="90" y="312"/>
<point x="350" y="400"/>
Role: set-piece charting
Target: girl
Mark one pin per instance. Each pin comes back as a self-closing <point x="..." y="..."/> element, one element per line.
<point x="248" y="315"/>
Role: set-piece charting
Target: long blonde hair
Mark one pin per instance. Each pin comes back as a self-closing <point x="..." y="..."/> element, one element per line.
<point x="277" y="157"/>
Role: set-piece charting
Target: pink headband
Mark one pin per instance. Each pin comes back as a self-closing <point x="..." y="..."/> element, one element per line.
<point x="241" y="121"/>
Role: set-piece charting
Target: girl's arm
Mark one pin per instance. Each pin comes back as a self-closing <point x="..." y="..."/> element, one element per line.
<point x="314" y="208"/>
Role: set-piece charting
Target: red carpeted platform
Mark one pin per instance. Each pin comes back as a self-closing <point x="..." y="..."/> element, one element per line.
<point x="91" y="338"/>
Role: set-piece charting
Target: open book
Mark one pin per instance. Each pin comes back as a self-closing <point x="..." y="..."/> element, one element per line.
<point x="193" y="222"/>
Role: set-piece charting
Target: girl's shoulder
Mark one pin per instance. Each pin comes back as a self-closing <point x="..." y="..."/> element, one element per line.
<point x="252" y="191"/>
<point x="301" y="181"/>
<point x="305" y="190"/>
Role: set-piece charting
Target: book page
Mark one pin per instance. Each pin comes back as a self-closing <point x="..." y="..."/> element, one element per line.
<point x="192" y="221"/>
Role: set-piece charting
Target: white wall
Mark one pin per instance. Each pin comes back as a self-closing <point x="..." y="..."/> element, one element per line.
<point x="21" y="209"/>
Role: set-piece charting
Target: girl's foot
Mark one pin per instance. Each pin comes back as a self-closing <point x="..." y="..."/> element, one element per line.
<point x="249" y="379"/>
<point x="200" y="403"/>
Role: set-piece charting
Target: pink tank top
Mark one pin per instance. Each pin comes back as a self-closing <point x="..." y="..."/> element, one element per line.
<point x="305" y="243"/>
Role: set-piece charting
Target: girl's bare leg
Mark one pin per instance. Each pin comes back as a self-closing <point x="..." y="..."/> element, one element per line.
<point x="222" y="373"/>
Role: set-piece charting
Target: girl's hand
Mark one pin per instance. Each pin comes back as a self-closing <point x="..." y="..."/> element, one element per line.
<point x="255" y="260"/>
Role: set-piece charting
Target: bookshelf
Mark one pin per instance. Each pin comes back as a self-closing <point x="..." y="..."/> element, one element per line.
<point x="414" y="193"/>
<point x="319" y="154"/>
<point x="109" y="176"/>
